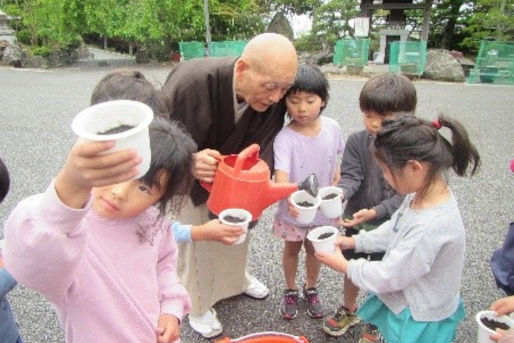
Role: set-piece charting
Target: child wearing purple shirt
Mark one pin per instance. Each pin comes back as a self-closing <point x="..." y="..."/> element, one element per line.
<point x="308" y="144"/>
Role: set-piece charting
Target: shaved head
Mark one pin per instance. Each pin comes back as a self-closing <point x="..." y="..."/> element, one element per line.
<point x="265" y="70"/>
<point x="269" y="50"/>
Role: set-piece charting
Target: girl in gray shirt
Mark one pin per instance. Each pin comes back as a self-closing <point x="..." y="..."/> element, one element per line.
<point x="416" y="287"/>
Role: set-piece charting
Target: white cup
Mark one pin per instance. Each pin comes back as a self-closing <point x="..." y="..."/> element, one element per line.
<point x="333" y="207"/>
<point x="483" y="331"/>
<point x="239" y="213"/>
<point x="306" y="214"/>
<point x="92" y="121"/>
<point x="323" y="244"/>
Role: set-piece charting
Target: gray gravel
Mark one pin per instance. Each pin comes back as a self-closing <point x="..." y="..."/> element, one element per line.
<point x="36" y="112"/>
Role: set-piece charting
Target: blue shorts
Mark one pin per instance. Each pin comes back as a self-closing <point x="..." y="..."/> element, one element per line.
<point x="402" y="328"/>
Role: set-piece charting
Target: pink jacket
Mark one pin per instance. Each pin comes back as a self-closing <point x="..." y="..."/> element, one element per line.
<point x="109" y="279"/>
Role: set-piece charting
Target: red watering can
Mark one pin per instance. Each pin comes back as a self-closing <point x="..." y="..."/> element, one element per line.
<point x="266" y="337"/>
<point x="243" y="181"/>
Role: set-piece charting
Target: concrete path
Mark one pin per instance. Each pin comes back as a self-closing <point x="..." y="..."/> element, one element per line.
<point x="37" y="110"/>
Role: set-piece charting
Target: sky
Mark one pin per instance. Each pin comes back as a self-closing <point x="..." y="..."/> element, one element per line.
<point x="301" y="24"/>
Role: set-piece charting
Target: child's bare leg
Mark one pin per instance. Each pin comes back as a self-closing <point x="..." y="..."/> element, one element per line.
<point x="312" y="265"/>
<point x="290" y="262"/>
<point x="350" y="294"/>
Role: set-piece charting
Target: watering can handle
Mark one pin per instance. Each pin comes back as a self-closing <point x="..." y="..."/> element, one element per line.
<point x="250" y="152"/>
<point x="208" y="185"/>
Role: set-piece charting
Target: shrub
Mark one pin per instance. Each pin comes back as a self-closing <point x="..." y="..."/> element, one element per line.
<point x="41" y="51"/>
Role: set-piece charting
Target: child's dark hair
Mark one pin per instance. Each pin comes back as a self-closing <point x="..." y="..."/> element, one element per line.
<point x="310" y="79"/>
<point x="172" y="151"/>
<point x="5" y="181"/>
<point x="388" y="93"/>
<point x="128" y="85"/>
<point x="409" y="138"/>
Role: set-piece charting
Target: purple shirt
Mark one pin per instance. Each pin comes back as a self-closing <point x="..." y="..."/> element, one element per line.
<point x="300" y="155"/>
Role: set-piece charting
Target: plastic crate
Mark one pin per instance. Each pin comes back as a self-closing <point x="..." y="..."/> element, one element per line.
<point x="191" y="49"/>
<point x="494" y="63"/>
<point x="227" y="48"/>
<point x="408" y="57"/>
<point x="351" y="52"/>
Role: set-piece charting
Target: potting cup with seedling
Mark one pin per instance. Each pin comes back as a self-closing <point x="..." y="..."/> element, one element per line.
<point x="323" y="238"/>
<point x="307" y="206"/>
<point x="236" y="217"/>
<point x="488" y="322"/>
<point x="123" y="121"/>
<point x="331" y="202"/>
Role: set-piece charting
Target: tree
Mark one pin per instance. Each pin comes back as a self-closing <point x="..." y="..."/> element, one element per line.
<point x="333" y="20"/>
<point x="490" y="19"/>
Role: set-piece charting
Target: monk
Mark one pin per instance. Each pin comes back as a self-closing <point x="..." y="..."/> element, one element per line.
<point x="226" y="104"/>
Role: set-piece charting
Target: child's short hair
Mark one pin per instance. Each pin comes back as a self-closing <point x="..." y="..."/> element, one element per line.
<point x="172" y="150"/>
<point x="387" y="94"/>
<point x="5" y="181"/>
<point x="310" y="79"/>
<point x="128" y="85"/>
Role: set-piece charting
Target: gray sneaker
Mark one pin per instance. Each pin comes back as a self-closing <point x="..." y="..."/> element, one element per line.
<point x="289" y="305"/>
<point x="314" y="305"/>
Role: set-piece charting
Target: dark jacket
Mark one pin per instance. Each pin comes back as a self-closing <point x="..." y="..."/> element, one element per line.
<point x="199" y="93"/>
<point x="362" y="181"/>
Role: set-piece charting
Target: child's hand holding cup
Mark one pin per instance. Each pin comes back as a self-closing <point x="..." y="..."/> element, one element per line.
<point x="236" y="217"/>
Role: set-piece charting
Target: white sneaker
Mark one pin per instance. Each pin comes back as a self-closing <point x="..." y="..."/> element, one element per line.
<point x="207" y="324"/>
<point x="256" y="289"/>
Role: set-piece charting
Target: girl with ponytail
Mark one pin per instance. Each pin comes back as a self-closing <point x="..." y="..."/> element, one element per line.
<point x="416" y="287"/>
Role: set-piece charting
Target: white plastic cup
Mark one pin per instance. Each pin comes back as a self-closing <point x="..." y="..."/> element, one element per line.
<point x="306" y="214"/>
<point x="324" y="245"/>
<point x="92" y="121"/>
<point x="333" y="207"/>
<point x="238" y="213"/>
<point x="484" y="332"/>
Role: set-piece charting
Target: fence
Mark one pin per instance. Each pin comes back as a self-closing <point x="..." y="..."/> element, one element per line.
<point x="494" y="63"/>
<point x="351" y="52"/>
<point x="408" y="57"/>
<point x="195" y="49"/>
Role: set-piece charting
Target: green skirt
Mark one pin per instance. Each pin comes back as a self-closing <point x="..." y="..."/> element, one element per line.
<point x="402" y="328"/>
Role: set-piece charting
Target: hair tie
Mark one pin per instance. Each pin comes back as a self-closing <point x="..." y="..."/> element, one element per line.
<point x="437" y="124"/>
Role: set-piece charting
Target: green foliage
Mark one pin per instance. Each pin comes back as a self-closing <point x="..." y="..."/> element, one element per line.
<point x="492" y="20"/>
<point x="332" y="20"/>
<point x="41" y="51"/>
<point x="308" y="42"/>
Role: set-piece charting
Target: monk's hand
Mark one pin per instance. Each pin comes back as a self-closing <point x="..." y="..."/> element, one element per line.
<point x="205" y="164"/>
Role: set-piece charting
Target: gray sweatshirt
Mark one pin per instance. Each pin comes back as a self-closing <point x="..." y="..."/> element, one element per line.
<point x="362" y="181"/>
<point x="422" y="266"/>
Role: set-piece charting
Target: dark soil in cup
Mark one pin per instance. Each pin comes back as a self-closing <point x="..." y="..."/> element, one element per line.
<point x="233" y="219"/>
<point x="494" y="324"/>
<point x="330" y="196"/>
<point x="325" y="235"/>
<point x="117" y="129"/>
<point x="305" y="204"/>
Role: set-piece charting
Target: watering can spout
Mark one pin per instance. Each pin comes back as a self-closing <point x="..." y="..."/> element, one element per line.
<point x="279" y="191"/>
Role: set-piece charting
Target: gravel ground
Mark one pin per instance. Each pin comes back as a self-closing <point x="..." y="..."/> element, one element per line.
<point x="37" y="109"/>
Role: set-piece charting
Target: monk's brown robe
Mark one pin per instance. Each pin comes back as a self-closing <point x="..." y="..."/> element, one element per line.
<point x="199" y="93"/>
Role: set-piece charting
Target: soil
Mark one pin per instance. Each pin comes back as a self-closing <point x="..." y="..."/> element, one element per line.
<point x="330" y="196"/>
<point x="325" y="235"/>
<point x="116" y="129"/>
<point x="233" y="219"/>
<point x="494" y="324"/>
<point x="305" y="204"/>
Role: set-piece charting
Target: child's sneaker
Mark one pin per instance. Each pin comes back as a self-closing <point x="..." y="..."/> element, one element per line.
<point x="342" y="320"/>
<point x="289" y="305"/>
<point x="370" y="334"/>
<point x="314" y="305"/>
